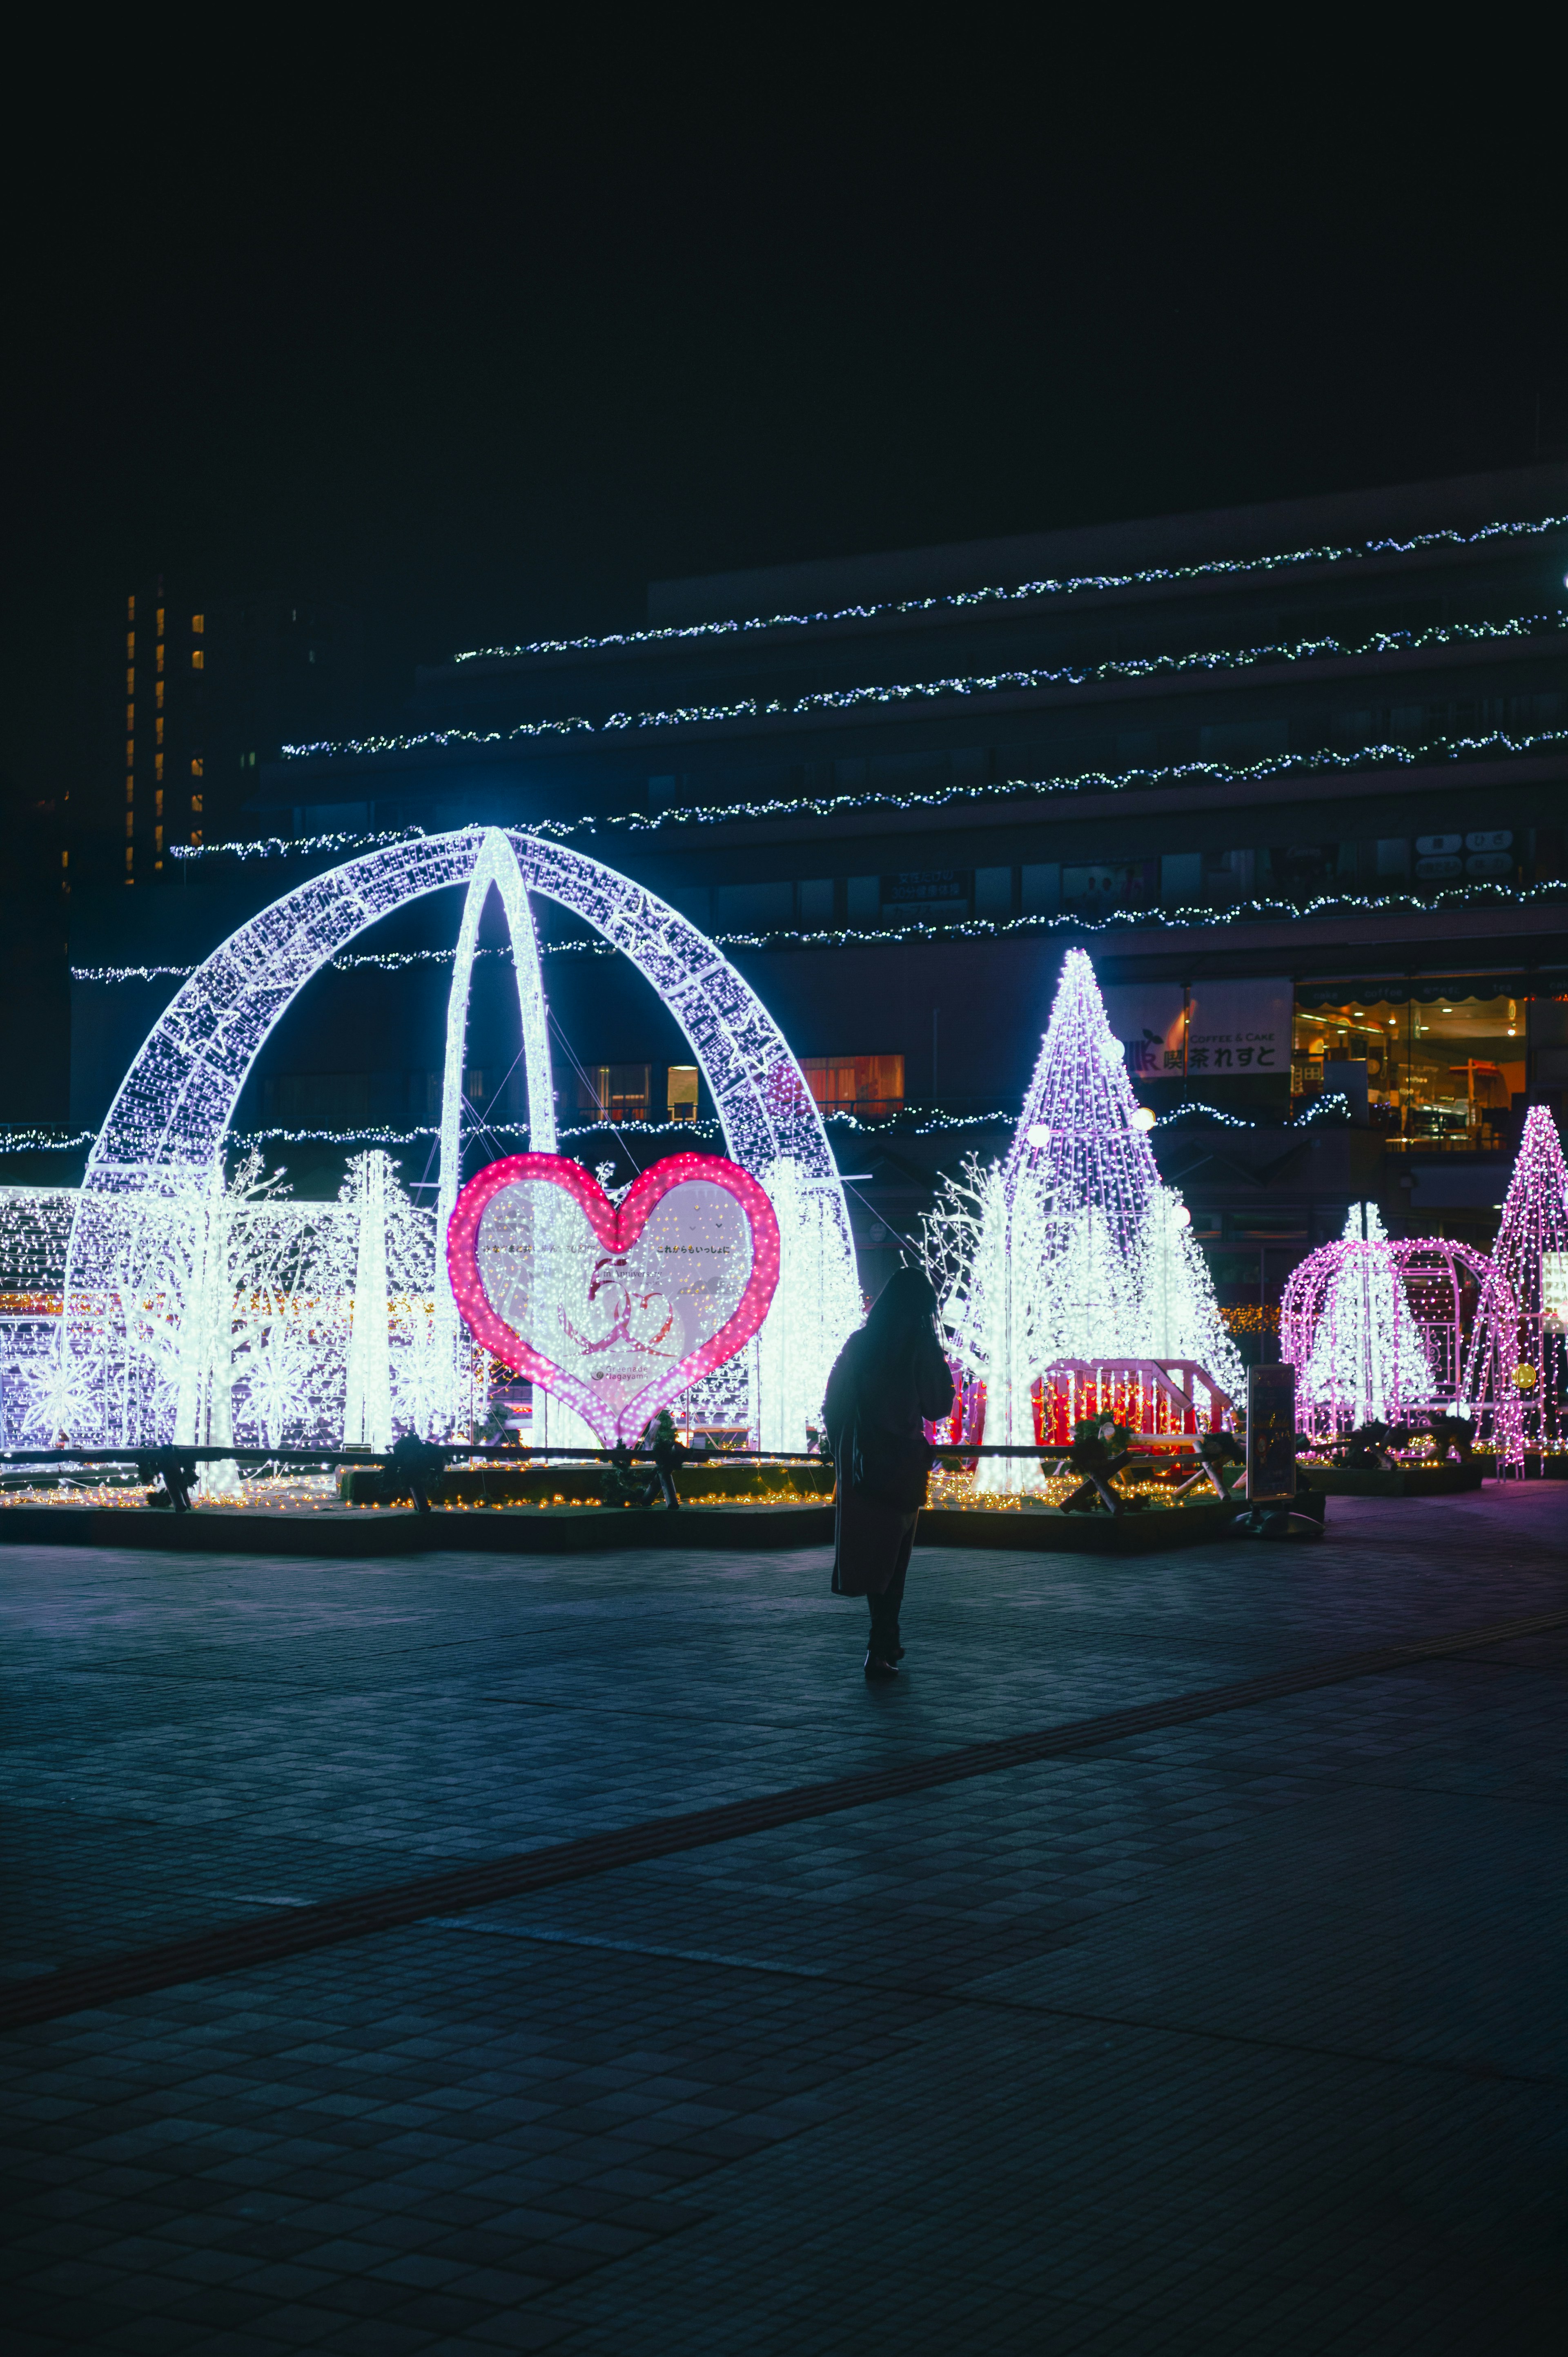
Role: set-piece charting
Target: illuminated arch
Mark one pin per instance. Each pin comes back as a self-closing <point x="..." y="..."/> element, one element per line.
<point x="496" y="864"/>
<point x="170" y="1117"/>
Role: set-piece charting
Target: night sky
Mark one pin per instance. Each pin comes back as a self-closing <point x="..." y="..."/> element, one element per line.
<point x="483" y="349"/>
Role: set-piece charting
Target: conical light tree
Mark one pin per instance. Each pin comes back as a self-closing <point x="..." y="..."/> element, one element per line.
<point x="1038" y="1259"/>
<point x="1531" y="1252"/>
<point x="1368" y="1361"/>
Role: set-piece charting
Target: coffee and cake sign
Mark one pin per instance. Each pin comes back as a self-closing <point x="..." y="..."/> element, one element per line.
<point x="1214" y="1031"/>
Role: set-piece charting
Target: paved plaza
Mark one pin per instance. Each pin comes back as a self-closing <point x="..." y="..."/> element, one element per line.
<point x="1244" y="2031"/>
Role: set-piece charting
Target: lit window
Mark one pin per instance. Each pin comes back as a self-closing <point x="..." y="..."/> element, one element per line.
<point x="617" y="1090"/>
<point x="159" y="730"/>
<point x="196" y="834"/>
<point x="158" y="767"/>
<point x="130" y="790"/>
<point x="130" y="716"/>
<point x="160" y="654"/>
<point x="196" y="766"/>
<point x="683" y="1091"/>
<point x="130" y="646"/>
<point x="65" y="859"/>
<point x="130" y="683"/>
<point x="130" y="855"/>
<point x="198" y="624"/>
<point x="198" y="660"/>
<point x="130" y="752"/>
<point x="160" y="621"/>
<point x="872" y="1086"/>
<point x="130" y="824"/>
<point x="158" y="694"/>
<point x="158" y="844"/>
<point x="158" y="803"/>
<point x="130" y="609"/>
<point x="196" y="806"/>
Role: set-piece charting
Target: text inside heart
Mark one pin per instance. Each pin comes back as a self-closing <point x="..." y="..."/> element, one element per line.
<point x="614" y="1309"/>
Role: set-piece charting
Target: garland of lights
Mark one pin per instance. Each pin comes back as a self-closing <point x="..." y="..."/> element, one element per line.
<point x="847" y="699"/>
<point x="1071" y="585"/>
<point x="1273" y="765"/>
<point x="976" y="929"/>
<point x="906" y="1125"/>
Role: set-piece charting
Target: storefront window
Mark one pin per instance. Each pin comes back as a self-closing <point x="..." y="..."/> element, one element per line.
<point x="614" y="1091"/>
<point x="1439" y="1071"/>
<point x="871" y="1086"/>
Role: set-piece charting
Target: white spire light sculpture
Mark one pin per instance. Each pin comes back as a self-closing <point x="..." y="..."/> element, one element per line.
<point x="150" y="1171"/>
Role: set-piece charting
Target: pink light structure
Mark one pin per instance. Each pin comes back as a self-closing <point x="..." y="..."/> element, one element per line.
<point x="1531" y="1255"/>
<point x="615" y="1309"/>
<point x="1387" y="1331"/>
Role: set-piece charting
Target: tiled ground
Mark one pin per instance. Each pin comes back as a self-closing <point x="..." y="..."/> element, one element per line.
<point x="1245" y="2035"/>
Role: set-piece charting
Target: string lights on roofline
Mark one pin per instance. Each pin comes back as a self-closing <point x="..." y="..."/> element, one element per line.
<point x="913" y="1121"/>
<point x="1072" y="584"/>
<point x="847" y="699"/>
<point x="1123" y="780"/>
<point x="973" y="928"/>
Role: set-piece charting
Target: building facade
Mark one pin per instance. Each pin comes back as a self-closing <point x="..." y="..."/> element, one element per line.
<point x="1294" y="774"/>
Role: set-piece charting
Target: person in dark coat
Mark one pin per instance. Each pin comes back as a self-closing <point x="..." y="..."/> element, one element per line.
<point x="885" y="1381"/>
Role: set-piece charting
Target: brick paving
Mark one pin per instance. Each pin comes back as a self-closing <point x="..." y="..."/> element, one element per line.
<point x="1244" y="2033"/>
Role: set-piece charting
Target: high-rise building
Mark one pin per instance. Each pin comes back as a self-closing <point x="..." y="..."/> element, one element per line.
<point x="200" y="692"/>
<point x="165" y="731"/>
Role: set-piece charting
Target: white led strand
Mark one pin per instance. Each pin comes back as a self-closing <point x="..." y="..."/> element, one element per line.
<point x="1124" y="781"/>
<point x="1073" y="585"/>
<point x="1022" y="680"/>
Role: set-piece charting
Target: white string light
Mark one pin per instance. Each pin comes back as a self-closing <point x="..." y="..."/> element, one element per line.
<point x="972" y="929"/>
<point x="1125" y="781"/>
<point x="981" y="684"/>
<point x="1073" y="585"/>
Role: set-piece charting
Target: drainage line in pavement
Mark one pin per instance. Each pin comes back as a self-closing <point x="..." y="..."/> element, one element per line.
<point x="239" y="1947"/>
<point x="935" y="1993"/>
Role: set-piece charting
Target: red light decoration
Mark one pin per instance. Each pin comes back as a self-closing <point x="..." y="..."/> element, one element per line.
<point x="609" y="1307"/>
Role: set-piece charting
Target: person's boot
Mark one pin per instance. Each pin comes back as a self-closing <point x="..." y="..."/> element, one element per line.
<point x="878" y="1668"/>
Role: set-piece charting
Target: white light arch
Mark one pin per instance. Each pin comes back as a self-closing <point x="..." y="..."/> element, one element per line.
<point x="496" y="864"/>
<point x="168" y="1121"/>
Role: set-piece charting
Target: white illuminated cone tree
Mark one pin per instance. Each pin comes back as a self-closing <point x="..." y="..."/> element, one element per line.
<point x="1036" y="1260"/>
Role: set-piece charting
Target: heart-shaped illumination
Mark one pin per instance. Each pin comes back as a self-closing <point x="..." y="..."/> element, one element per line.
<point x="614" y="1309"/>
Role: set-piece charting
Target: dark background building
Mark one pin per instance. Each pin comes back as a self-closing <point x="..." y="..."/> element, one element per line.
<point x="1294" y="773"/>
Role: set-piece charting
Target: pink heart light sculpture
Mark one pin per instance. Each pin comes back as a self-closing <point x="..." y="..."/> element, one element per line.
<point x="614" y="1309"/>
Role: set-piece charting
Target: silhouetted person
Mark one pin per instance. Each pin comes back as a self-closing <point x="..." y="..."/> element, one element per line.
<point x="886" y="1379"/>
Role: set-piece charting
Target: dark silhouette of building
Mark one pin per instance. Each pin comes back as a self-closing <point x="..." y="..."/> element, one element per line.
<point x="1294" y="773"/>
<point x="198" y="693"/>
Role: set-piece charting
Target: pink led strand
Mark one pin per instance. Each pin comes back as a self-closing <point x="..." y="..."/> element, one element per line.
<point x="1534" y="1222"/>
<point x="617" y="1228"/>
<point x="1433" y="1364"/>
